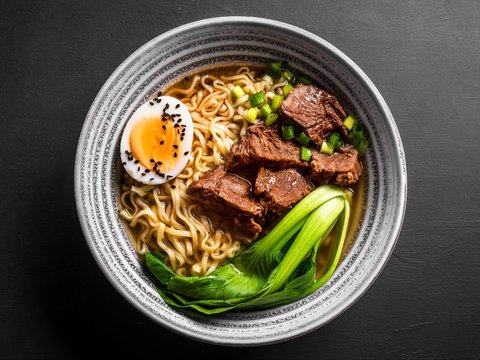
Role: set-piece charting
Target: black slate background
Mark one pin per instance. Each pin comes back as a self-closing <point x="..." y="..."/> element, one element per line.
<point x="423" y="56"/>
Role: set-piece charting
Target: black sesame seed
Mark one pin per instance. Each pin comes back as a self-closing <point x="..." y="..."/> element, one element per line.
<point x="130" y="157"/>
<point x="159" y="163"/>
<point x="151" y="103"/>
<point x="183" y="126"/>
<point x="164" y="118"/>
<point x="162" y="142"/>
<point x="157" y="100"/>
<point x="124" y="163"/>
<point x="138" y="169"/>
<point x="185" y="153"/>
<point x="179" y="121"/>
<point x="159" y="93"/>
<point x="136" y="161"/>
<point x="128" y="152"/>
<point x="181" y="138"/>
<point x="147" y="170"/>
<point x="186" y="78"/>
<point x="175" y="146"/>
<point x="164" y="127"/>
<point x="151" y="160"/>
<point x="143" y="174"/>
<point x="173" y="186"/>
<point x="174" y="154"/>
<point x="169" y="176"/>
<point x="151" y="179"/>
<point x="176" y="126"/>
<point x="177" y="106"/>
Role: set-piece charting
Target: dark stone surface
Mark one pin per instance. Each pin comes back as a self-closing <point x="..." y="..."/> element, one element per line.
<point x="424" y="57"/>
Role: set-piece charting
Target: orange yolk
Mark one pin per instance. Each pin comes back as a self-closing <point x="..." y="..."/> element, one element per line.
<point x="152" y="138"/>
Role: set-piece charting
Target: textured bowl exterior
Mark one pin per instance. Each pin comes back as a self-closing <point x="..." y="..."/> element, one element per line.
<point x="214" y="42"/>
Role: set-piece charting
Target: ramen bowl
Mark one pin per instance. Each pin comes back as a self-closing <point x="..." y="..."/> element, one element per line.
<point x="213" y="43"/>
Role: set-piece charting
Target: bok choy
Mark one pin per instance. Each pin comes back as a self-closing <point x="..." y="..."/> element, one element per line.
<point x="277" y="269"/>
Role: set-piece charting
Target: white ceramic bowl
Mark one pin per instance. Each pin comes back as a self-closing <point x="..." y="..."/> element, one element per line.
<point x="208" y="43"/>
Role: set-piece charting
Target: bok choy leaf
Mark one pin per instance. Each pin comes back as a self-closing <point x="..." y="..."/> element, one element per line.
<point x="278" y="269"/>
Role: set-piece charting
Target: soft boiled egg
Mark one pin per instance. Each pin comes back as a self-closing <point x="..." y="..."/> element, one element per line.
<point x="157" y="141"/>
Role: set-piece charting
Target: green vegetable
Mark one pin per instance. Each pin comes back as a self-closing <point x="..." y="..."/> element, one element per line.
<point x="357" y="138"/>
<point x="290" y="77"/>
<point x="286" y="89"/>
<point x="349" y="122"/>
<point x="305" y="154"/>
<point x="271" y="119"/>
<point x="335" y="140"/>
<point x="268" y="79"/>
<point x="274" y="69"/>
<point x="302" y="138"/>
<point x="276" y="102"/>
<point x="257" y="99"/>
<point x="288" y="132"/>
<point x="238" y="92"/>
<point x="303" y="79"/>
<point x="326" y="148"/>
<point x="251" y="115"/>
<point x="278" y="269"/>
<point x="265" y="110"/>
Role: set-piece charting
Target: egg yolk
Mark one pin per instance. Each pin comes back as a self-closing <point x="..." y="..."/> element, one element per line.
<point x="157" y="140"/>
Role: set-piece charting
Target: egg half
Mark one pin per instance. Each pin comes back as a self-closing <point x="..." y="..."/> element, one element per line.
<point x="157" y="140"/>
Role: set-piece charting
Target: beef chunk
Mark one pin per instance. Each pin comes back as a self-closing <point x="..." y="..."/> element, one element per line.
<point x="264" y="146"/>
<point x="341" y="168"/>
<point x="228" y="198"/>
<point x="316" y="111"/>
<point x="280" y="190"/>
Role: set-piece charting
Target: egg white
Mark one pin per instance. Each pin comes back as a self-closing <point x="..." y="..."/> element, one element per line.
<point x="156" y="107"/>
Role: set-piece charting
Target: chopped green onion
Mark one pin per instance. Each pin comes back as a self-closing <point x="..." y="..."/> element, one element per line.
<point x="302" y="139"/>
<point x="271" y="119"/>
<point x="288" y="132"/>
<point x="251" y="115"/>
<point x="275" y="69"/>
<point x="286" y="89"/>
<point x="257" y="99"/>
<point x="335" y="140"/>
<point x="305" y="154"/>
<point x="268" y="79"/>
<point x="349" y="122"/>
<point x="266" y="110"/>
<point x="305" y="80"/>
<point x="289" y="76"/>
<point x="361" y="148"/>
<point x="356" y="137"/>
<point x="238" y="92"/>
<point x="326" y="148"/>
<point x="276" y="102"/>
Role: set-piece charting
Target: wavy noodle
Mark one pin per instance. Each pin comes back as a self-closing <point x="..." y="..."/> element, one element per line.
<point x="163" y="218"/>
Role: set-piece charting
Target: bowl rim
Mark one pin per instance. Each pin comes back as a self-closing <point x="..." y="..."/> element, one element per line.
<point x="340" y="56"/>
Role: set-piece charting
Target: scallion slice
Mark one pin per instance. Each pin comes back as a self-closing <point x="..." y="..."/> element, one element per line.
<point x="251" y="115"/>
<point x="238" y="92"/>
<point x="335" y="140"/>
<point x="302" y="138"/>
<point x="265" y="110"/>
<point x="286" y="89"/>
<point x="276" y="102"/>
<point x="305" y="154"/>
<point x="289" y="76"/>
<point x="274" y="69"/>
<point x="326" y="148"/>
<point x="288" y="132"/>
<point x="257" y="99"/>
<point x="349" y="122"/>
<point x="271" y="119"/>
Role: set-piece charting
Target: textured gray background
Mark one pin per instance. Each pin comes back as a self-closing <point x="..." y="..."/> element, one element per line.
<point x="424" y="57"/>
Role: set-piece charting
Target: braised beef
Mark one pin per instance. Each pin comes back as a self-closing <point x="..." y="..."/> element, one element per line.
<point x="263" y="146"/>
<point x="229" y="197"/>
<point x="316" y="111"/>
<point x="341" y="168"/>
<point x="280" y="190"/>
